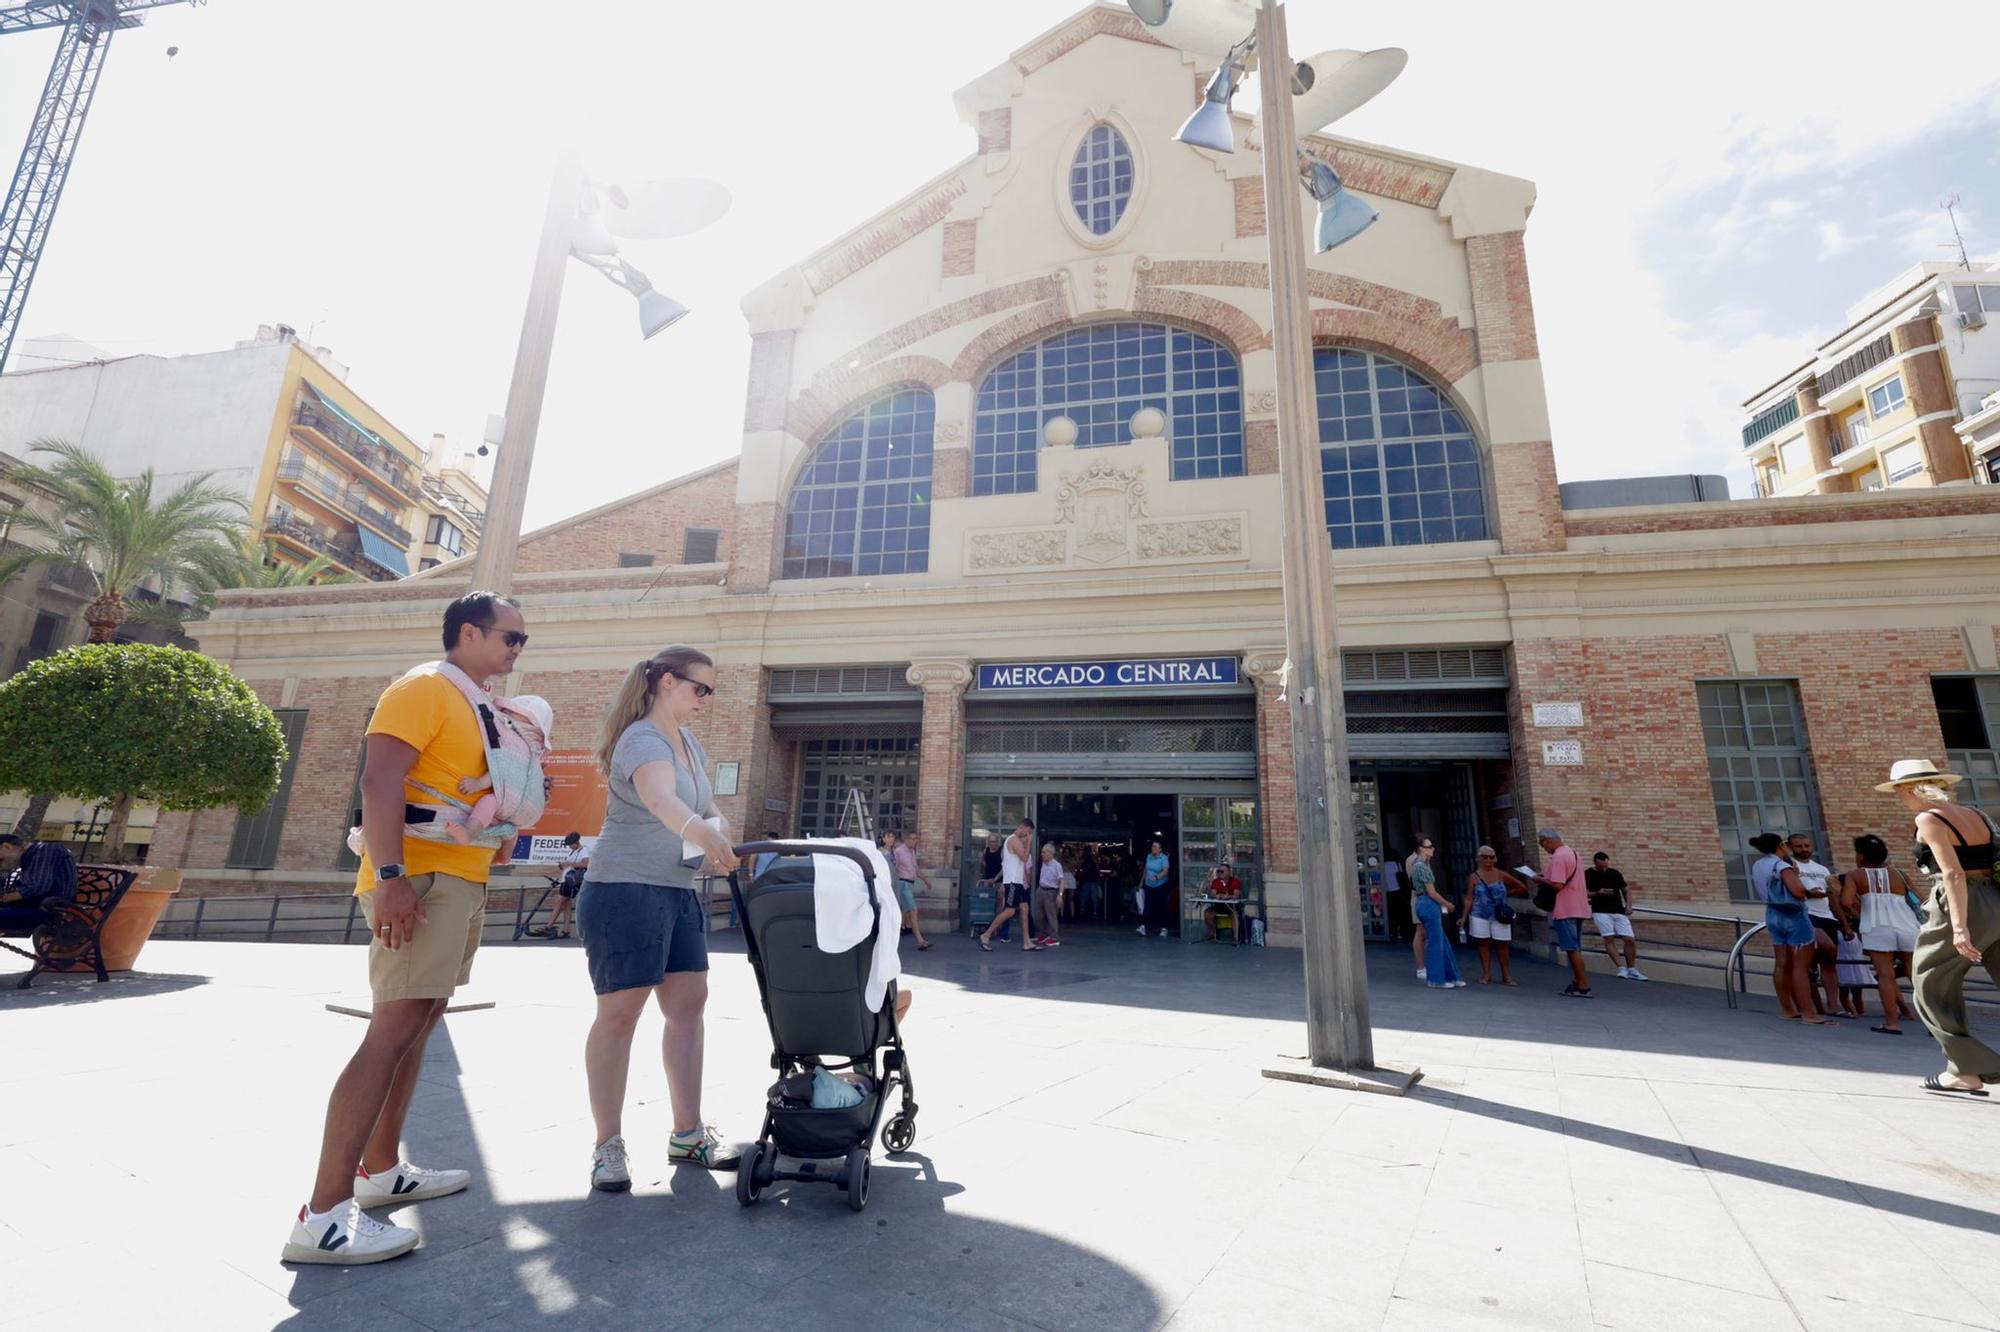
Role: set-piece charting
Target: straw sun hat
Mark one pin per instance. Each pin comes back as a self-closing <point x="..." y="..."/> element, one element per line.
<point x="1917" y="772"/>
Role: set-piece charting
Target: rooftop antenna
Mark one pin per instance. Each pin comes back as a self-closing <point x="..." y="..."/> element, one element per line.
<point x="1950" y="206"/>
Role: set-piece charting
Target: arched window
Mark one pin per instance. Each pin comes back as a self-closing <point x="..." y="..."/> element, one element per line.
<point x="1098" y="375"/>
<point x="1100" y="179"/>
<point x="862" y="502"/>
<point x="1398" y="463"/>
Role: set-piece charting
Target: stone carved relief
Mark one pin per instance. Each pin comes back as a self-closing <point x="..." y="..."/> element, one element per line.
<point x="950" y="432"/>
<point x="993" y="552"/>
<point x="1262" y="403"/>
<point x="1099" y="500"/>
<point x="1206" y="537"/>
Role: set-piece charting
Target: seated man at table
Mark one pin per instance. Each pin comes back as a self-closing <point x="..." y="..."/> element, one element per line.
<point x="1224" y="884"/>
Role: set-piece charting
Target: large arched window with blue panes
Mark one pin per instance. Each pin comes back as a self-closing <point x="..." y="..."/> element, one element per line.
<point x="1399" y="464"/>
<point x="1100" y="179"/>
<point x="1098" y="375"/>
<point x="862" y="503"/>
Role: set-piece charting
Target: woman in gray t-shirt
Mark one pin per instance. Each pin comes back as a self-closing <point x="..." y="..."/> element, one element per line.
<point x="641" y="922"/>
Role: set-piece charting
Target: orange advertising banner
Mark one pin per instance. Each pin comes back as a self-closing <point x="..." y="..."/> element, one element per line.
<point x="576" y="804"/>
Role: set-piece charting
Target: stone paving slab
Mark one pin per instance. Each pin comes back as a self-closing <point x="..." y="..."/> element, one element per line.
<point x="1097" y="1149"/>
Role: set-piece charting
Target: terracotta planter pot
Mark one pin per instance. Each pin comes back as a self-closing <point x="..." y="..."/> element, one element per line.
<point x="126" y="932"/>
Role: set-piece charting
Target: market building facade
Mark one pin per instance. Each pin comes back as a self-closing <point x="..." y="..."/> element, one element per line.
<point x="1002" y="541"/>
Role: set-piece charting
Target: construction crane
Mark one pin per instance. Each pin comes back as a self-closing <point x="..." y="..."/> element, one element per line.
<point x="87" y="28"/>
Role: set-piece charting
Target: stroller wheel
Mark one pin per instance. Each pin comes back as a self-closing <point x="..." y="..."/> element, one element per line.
<point x="856" y="1178"/>
<point x="899" y="1133"/>
<point x="748" y="1187"/>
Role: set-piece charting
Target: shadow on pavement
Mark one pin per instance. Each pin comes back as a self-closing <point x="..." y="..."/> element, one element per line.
<point x="82" y="987"/>
<point x="680" y="1251"/>
<point x="1822" y="1185"/>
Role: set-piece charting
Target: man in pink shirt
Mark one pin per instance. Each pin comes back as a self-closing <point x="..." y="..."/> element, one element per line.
<point x="1571" y="909"/>
<point x="903" y="860"/>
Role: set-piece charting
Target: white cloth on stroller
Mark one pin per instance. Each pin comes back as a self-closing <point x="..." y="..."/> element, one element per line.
<point x="842" y="919"/>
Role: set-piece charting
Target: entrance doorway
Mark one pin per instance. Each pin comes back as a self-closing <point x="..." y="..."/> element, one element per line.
<point x="1116" y="823"/>
<point x="1398" y="804"/>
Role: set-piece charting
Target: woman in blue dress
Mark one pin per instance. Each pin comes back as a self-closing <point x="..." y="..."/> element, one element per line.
<point x="1440" y="965"/>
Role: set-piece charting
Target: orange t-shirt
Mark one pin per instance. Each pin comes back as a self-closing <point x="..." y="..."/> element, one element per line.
<point x="430" y="715"/>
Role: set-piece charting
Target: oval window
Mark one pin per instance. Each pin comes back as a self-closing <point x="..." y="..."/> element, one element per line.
<point x="1100" y="179"/>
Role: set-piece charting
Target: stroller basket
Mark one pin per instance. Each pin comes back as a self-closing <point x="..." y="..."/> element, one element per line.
<point x="813" y="1001"/>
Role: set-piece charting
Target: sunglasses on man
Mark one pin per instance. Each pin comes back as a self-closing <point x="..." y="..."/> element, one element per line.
<point x="514" y="638"/>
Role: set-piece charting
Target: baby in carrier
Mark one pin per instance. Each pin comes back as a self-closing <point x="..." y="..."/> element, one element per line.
<point x="509" y="771"/>
<point x="515" y="735"/>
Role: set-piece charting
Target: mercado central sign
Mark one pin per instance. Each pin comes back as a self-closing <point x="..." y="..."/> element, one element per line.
<point x="1150" y="673"/>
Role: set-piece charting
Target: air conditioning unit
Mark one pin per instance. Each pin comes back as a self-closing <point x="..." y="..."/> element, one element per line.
<point x="1971" y="319"/>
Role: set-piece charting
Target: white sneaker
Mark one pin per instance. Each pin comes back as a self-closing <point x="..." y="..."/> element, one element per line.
<point x="1422" y="974"/>
<point x="346" y="1236"/>
<point x="608" y="1171"/>
<point x="1633" y="973"/>
<point x="1142" y="931"/>
<point x="406" y="1184"/>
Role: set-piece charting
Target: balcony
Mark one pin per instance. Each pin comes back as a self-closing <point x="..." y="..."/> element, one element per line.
<point x="376" y="458"/>
<point x="73" y="579"/>
<point x="1854" y="365"/>
<point x="1771" y="420"/>
<point x="350" y="499"/>
<point x="346" y="555"/>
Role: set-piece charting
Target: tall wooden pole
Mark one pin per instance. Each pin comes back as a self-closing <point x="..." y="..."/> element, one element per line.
<point x="500" y="538"/>
<point x="1337" y="1030"/>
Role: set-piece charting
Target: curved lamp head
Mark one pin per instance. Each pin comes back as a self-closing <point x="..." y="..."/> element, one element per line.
<point x="661" y="209"/>
<point x="1342" y="214"/>
<point x="658" y="312"/>
<point x="1202" y="27"/>
<point x="1209" y="126"/>
<point x="1333" y="83"/>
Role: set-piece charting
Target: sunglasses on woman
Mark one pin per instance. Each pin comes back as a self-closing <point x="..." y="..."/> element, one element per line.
<point x="700" y="690"/>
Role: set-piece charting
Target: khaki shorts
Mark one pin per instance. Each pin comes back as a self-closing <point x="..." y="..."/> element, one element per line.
<point x="438" y="958"/>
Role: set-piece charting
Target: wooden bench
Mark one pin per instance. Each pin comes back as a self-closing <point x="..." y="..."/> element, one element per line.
<point x="71" y="930"/>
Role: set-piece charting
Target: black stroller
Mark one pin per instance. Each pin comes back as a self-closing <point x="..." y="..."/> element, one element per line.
<point x="818" y="1020"/>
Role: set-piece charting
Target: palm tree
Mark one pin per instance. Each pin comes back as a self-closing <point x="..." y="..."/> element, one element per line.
<point x="261" y="567"/>
<point x="123" y="537"/>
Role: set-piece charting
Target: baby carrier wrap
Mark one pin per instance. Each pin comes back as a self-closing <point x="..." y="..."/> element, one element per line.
<point x="513" y="762"/>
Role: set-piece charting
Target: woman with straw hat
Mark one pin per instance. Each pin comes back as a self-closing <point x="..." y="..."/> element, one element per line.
<point x="1956" y="845"/>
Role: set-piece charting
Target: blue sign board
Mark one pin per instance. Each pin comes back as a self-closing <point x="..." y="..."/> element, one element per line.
<point x="1150" y="673"/>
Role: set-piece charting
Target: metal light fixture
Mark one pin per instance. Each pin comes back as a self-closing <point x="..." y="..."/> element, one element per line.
<point x="657" y="311"/>
<point x="1333" y="83"/>
<point x="1208" y="28"/>
<point x="1209" y="126"/>
<point x="1342" y="214"/>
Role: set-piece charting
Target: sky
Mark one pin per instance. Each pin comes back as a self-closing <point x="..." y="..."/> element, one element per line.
<point x="1717" y="184"/>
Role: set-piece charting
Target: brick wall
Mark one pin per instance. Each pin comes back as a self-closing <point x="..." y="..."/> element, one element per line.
<point x="961" y="249"/>
<point x="1249" y="199"/>
<point x="1502" y="309"/>
<point x="654" y="522"/>
<point x="1526" y="498"/>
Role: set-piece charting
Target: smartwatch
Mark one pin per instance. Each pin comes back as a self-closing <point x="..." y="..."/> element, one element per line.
<point x="384" y="873"/>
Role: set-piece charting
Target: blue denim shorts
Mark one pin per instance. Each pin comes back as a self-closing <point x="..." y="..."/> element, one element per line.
<point x="906" y="893"/>
<point x="1791" y="928"/>
<point x="1568" y="938"/>
<point x="636" y="934"/>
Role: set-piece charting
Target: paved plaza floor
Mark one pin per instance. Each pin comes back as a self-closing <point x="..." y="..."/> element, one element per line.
<point x="1096" y="1150"/>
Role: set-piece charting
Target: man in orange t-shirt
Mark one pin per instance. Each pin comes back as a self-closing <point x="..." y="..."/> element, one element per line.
<point x="426" y="903"/>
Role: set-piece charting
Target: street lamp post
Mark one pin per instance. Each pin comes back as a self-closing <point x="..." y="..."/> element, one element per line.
<point x="572" y="228"/>
<point x="500" y="535"/>
<point x="1339" y="1041"/>
<point x="1338" y="1036"/>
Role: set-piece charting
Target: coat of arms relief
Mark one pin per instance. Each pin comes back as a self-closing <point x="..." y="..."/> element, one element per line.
<point x="1100" y="501"/>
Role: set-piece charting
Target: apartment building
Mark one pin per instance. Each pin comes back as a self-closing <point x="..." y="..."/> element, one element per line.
<point x="324" y="474"/>
<point x="1877" y="405"/>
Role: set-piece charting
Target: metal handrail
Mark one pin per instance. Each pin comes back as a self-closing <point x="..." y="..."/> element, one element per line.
<point x="1734" y="964"/>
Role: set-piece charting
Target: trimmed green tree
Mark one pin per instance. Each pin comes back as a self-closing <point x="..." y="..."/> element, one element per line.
<point x="121" y="722"/>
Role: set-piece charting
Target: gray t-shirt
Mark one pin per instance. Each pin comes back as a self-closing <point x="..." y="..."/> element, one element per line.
<point x="635" y="847"/>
